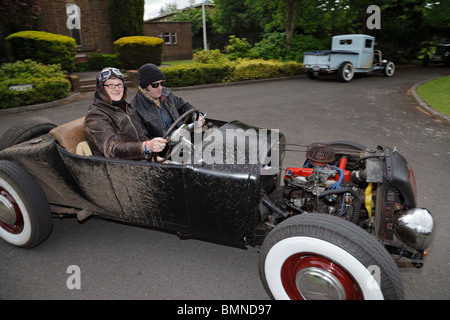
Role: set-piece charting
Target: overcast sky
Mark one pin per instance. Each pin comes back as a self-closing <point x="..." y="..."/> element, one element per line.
<point x="152" y="7"/>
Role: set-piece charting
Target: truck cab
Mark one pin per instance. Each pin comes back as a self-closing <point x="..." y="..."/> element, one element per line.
<point x="362" y="45"/>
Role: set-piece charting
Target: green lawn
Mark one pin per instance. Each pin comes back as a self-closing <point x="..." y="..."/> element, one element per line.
<point x="436" y="94"/>
<point x="176" y="63"/>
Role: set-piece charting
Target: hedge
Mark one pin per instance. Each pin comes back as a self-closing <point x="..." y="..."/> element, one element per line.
<point x="43" y="47"/>
<point x="136" y="51"/>
<point x="262" y="69"/>
<point x="48" y="83"/>
<point x="99" y="61"/>
<point x="198" y="73"/>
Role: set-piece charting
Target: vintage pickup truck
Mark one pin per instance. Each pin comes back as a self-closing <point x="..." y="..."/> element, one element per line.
<point x="349" y="54"/>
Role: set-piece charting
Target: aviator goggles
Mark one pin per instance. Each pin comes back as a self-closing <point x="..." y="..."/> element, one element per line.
<point x="108" y="72"/>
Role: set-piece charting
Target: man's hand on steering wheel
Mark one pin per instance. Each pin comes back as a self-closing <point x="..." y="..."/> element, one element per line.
<point x="164" y="140"/>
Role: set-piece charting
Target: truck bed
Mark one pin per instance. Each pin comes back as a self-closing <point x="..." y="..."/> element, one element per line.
<point x="328" y="60"/>
<point x="326" y="52"/>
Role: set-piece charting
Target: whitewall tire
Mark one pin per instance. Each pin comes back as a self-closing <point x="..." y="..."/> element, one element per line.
<point x="317" y="256"/>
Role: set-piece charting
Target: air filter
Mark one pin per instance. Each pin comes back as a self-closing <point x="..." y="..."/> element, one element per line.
<point x="320" y="153"/>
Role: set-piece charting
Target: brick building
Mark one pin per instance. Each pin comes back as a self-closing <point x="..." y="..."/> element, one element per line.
<point x="88" y="23"/>
<point x="177" y="38"/>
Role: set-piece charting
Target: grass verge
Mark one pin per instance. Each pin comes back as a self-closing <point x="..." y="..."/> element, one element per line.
<point x="176" y="63"/>
<point x="436" y="94"/>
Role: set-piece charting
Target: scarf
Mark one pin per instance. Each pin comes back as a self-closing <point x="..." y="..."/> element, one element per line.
<point x="147" y="95"/>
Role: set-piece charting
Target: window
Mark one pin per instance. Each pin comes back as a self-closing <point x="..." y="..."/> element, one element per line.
<point x="368" y="43"/>
<point x="74" y="22"/>
<point x="169" y="37"/>
<point x="346" y="42"/>
<point x="174" y="38"/>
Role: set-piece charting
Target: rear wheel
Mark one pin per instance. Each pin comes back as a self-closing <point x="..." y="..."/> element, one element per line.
<point x="346" y="72"/>
<point x="25" y="217"/>
<point x="25" y="130"/>
<point x="318" y="256"/>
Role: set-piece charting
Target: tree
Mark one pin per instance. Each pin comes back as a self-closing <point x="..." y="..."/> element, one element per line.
<point x="126" y="18"/>
<point x="168" y="9"/>
<point x="289" y="20"/>
<point x="403" y="28"/>
<point x="17" y="16"/>
<point x="281" y="12"/>
<point x="233" y="17"/>
<point x="194" y="16"/>
<point x="437" y="16"/>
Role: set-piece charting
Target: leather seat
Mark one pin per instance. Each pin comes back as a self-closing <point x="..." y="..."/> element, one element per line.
<point x="71" y="137"/>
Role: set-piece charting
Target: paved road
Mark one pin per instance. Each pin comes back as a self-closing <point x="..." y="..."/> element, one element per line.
<point x="123" y="262"/>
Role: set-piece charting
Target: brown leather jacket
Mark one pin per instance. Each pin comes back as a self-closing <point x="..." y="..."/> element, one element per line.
<point x="112" y="133"/>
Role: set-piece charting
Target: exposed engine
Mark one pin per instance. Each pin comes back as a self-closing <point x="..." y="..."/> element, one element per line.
<point x="321" y="186"/>
<point x="375" y="189"/>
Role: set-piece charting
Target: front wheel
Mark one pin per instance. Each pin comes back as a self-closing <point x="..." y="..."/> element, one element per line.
<point x="323" y="257"/>
<point x="389" y="69"/>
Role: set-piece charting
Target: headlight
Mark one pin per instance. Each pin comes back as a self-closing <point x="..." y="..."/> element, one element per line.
<point x="415" y="227"/>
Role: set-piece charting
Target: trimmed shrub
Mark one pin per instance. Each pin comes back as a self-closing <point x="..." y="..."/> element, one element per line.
<point x="262" y="69"/>
<point x="136" y="51"/>
<point x="44" y="47"/>
<point x="48" y="83"/>
<point x="98" y="61"/>
<point x="242" y="69"/>
<point x="209" y="57"/>
<point x="196" y="73"/>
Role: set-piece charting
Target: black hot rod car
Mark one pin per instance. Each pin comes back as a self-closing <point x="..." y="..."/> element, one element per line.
<point x="337" y="227"/>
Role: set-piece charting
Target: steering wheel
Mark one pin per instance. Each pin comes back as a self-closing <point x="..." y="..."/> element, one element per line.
<point x="184" y="118"/>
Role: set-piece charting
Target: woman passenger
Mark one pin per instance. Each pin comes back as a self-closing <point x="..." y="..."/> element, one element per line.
<point x="112" y="127"/>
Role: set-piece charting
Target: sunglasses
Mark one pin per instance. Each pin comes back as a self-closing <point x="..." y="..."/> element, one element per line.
<point x="156" y="85"/>
<point x="108" y="72"/>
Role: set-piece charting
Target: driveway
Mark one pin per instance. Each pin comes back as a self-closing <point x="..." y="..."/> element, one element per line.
<point x="118" y="261"/>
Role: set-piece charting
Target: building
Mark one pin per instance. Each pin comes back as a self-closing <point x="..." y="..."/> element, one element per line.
<point x="86" y="21"/>
<point x="89" y="24"/>
<point x="177" y="38"/>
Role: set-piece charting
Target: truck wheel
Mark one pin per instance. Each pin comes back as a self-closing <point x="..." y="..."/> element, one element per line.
<point x="25" y="218"/>
<point x="312" y="75"/>
<point x="346" y="72"/>
<point x="25" y="130"/>
<point x="389" y="69"/>
<point x="317" y="256"/>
